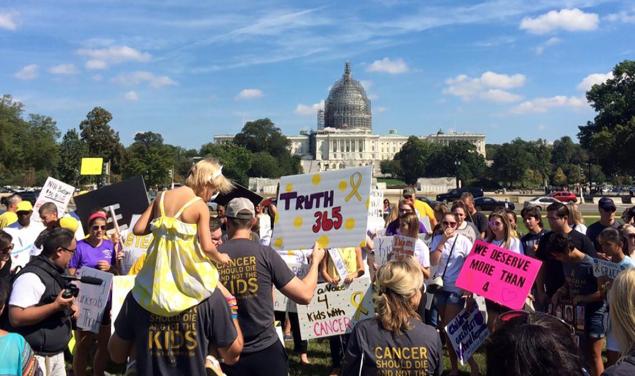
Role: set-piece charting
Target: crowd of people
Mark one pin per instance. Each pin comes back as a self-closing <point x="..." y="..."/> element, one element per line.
<point x="202" y="300"/>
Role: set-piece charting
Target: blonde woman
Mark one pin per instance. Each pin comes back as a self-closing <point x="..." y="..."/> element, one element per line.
<point x="622" y="312"/>
<point x="576" y="221"/>
<point x="396" y="329"/>
<point x="179" y="272"/>
<point x="409" y="226"/>
<point x="629" y="240"/>
<point x="501" y="232"/>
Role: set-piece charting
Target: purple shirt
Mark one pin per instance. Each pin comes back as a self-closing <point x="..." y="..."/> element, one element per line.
<point x="393" y="228"/>
<point x="87" y="255"/>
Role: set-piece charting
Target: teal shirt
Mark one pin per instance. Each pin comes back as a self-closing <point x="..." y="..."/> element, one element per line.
<point x="16" y="355"/>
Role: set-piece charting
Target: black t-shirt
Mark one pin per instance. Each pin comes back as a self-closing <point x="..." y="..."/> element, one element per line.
<point x="594" y="231"/>
<point x="479" y="219"/>
<point x="528" y="241"/>
<point x="552" y="268"/>
<point x="253" y="271"/>
<point x="176" y="345"/>
<point x="415" y="352"/>
<point x="624" y="367"/>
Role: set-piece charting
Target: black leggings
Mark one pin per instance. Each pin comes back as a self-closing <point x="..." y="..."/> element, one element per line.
<point x="272" y="361"/>
<point x="299" y="346"/>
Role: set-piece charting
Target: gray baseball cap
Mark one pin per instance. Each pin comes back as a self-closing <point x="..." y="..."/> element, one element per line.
<point x="241" y="208"/>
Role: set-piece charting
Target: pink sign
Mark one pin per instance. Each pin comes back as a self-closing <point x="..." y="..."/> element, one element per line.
<point x="499" y="275"/>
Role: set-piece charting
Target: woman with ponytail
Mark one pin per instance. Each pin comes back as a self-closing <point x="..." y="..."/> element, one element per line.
<point x="395" y="339"/>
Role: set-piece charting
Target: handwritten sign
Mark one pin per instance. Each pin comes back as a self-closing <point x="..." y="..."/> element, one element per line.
<point x="334" y="310"/>
<point x="121" y="286"/>
<point x="92" y="166"/>
<point x="296" y="261"/>
<point x="383" y="249"/>
<point x="467" y="332"/>
<point x="54" y="191"/>
<point x="498" y="274"/>
<point x="376" y="204"/>
<point x="604" y="268"/>
<point x="402" y="246"/>
<point x="92" y="299"/>
<point x="336" y="257"/>
<point x="330" y="208"/>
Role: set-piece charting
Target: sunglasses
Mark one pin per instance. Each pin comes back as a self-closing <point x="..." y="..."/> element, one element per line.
<point x="71" y="251"/>
<point x="524" y="317"/>
<point x="495" y="224"/>
<point x="449" y="224"/>
<point x="95" y="228"/>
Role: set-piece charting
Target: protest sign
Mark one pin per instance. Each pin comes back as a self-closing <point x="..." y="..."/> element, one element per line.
<point x="54" y="191"/>
<point x="402" y="246"/>
<point x="338" y="262"/>
<point x="126" y="198"/>
<point x="121" y="286"/>
<point x="133" y="246"/>
<point x="238" y="191"/>
<point x="604" y="268"/>
<point x="91" y="166"/>
<point x="376" y="204"/>
<point x="296" y="261"/>
<point x="570" y="313"/>
<point x="330" y="208"/>
<point x="334" y="310"/>
<point x="497" y="274"/>
<point x="467" y="331"/>
<point x="383" y="248"/>
<point x="92" y="299"/>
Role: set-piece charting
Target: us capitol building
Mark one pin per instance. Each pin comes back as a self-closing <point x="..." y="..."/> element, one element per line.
<point x="344" y="135"/>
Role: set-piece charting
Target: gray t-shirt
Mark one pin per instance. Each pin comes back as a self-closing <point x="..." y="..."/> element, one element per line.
<point x="373" y="350"/>
<point x="253" y="271"/>
<point x="624" y="367"/>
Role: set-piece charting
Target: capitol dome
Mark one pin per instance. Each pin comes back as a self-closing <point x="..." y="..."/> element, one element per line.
<point x="347" y="106"/>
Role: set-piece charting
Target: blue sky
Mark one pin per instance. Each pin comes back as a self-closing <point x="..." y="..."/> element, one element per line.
<point x="192" y="69"/>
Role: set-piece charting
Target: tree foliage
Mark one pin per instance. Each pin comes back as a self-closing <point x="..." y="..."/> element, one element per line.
<point x="236" y="160"/>
<point x="149" y="157"/>
<point x="610" y="137"/>
<point x="101" y="139"/>
<point x="72" y="149"/>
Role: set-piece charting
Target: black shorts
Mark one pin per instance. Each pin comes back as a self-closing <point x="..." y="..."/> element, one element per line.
<point x="272" y="361"/>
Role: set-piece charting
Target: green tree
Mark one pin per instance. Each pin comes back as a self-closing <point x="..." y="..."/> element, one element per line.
<point x="101" y="139"/>
<point x="149" y="157"/>
<point x="72" y="149"/>
<point x="559" y="178"/>
<point x="266" y="166"/>
<point x="610" y="137"/>
<point x="391" y="167"/>
<point x="236" y="160"/>
<point x="510" y="163"/>
<point x="413" y="158"/>
<point x="458" y="158"/>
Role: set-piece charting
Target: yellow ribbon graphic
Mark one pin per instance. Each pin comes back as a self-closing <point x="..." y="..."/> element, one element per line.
<point x="356" y="300"/>
<point x="356" y="181"/>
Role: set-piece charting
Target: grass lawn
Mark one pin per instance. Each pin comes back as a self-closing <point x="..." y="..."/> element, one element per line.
<point x="391" y="182"/>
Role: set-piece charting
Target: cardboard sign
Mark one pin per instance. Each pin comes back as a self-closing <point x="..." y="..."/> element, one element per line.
<point x="334" y="310"/>
<point x="121" y="286"/>
<point x="126" y="198"/>
<point x="376" y="204"/>
<point x="383" y="249"/>
<point x="54" y="191"/>
<point x="296" y="261"/>
<point x="604" y="268"/>
<point x="92" y="299"/>
<point x="467" y="332"/>
<point x="330" y="208"/>
<point x="336" y="257"/>
<point x="92" y="166"/>
<point x="402" y="246"/>
<point x="498" y="274"/>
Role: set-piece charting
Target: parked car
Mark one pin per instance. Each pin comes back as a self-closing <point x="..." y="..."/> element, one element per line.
<point x="29" y="196"/>
<point x="489" y="203"/>
<point x="455" y="194"/>
<point x="541" y="202"/>
<point x="565" y="196"/>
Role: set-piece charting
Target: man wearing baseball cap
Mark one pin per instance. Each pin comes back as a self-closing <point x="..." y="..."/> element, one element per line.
<point x="24" y="233"/>
<point x="607" y="209"/>
<point x="421" y="208"/>
<point x="252" y="273"/>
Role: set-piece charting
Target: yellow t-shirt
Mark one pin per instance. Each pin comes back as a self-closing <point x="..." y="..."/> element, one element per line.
<point x="8" y="218"/>
<point x="349" y="257"/>
<point x="424" y="210"/>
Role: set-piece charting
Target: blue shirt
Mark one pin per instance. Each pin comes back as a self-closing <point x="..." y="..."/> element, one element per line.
<point x="16" y="356"/>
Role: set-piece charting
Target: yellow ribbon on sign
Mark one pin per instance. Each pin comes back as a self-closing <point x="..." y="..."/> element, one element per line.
<point x="356" y="182"/>
<point x="356" y="300"/>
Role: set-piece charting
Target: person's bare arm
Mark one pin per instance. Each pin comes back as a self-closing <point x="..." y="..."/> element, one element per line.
<point x="142" y="227"/>
<point x="119" y="349"/>
<point x="360" y="266"/>
<point x="301" y="290"/>
<point x="426" y="272"/>
<point x="231" y="353"/>
<point x="205" y="235"/>
<point x="325" y="273"/>
<point x="19" y="316"/>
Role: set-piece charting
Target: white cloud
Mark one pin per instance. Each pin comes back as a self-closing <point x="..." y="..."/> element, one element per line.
<point x="543" y="104"/>
<point x="308" y="110"/>
<point x="565" y="19"/>
<point x="8" y="22"/>
<point x="63" y="69"/>
<point x="489" y="86"/>
<point x="595" y="78"/>
<point x="28" y="72"/>
<point x="139" y="77"/>
<point x="101" y="57"/>
<point x="387" y="65"/>
<point x="96" y="64"/>
<point x="548" y="43"/>
<point x="623" y="16"/>
<point x="249" y="94"/>
<point x="381" y="109"/>
<point x="131" y="96"/>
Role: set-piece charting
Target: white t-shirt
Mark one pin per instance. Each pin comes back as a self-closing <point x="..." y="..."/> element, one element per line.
<point x="581" y="228"/>
<point x="23" y="243"/>
<point x="27" y="291"/>
<point x="422" y="253"/>
<point x="514" y="245"/>
<point x="462" y="248"/>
